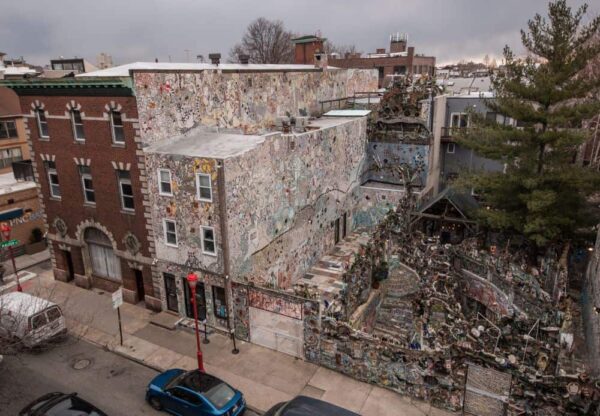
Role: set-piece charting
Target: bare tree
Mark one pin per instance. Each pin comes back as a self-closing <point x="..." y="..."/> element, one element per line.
<point x="339" y="49"/>
<point x="265" y="42"/>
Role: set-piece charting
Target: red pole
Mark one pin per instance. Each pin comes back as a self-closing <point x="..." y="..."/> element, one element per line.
<point x="198" y="350"/>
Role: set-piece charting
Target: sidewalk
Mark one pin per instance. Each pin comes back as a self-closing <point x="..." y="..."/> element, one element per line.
<point x="264" y="376"/>
<point x="22" y="262"/>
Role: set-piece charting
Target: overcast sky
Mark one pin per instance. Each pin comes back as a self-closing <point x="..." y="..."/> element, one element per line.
<point x="138" y="30"/>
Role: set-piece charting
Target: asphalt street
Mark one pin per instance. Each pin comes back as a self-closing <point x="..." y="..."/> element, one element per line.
<point x="110" y="382"/>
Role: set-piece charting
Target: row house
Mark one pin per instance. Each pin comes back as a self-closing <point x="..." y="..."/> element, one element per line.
<point x="86" y="156"/>
<point x="149" y="171"/>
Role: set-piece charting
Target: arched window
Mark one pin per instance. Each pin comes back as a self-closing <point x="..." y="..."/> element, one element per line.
<point x="104" y="262"/>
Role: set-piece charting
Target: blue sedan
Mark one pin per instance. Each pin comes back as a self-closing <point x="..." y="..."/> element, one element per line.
<point x="194" y="393"/>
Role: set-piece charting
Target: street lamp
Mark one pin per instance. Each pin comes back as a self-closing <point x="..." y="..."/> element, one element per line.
<point x="6" y="229"/>
<point x="192" y="281"/>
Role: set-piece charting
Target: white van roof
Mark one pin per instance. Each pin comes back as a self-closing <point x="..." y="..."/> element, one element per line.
<point x="20" y="303"/>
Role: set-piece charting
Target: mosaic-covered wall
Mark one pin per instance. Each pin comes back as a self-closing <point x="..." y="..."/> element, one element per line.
<point x="171" y="103"/>
<point x="184" y="207"/>
<point x="280" y="218"/>
<point x="383" y="157"/>
<point x="376" y="200"/>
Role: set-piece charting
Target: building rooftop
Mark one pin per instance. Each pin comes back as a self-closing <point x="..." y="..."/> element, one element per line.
<point x="201" y="142"/>
<point x="125" y="70"/>
<point x="8" y="184"/>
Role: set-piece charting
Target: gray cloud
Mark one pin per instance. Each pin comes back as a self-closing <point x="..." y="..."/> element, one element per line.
<point x="136" y="30"/>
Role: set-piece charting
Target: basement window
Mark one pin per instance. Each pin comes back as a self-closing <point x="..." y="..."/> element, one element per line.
<point x="451" y="148"/>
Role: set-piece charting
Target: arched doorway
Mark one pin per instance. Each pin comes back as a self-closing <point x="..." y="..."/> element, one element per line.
<point x="103" y="260"/>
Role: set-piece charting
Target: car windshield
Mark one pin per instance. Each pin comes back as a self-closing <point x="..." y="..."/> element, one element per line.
<point x="73" y="406"/>
<point x="213" y="389"/>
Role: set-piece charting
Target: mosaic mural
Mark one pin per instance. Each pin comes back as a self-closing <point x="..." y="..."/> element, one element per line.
<point x="283" y="226"/>
<point x="171" y="103"/>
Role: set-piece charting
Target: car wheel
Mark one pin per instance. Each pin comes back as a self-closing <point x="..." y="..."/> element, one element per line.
<point x="155" y="403"/>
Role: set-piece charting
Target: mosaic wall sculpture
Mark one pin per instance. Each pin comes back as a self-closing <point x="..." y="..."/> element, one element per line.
<point x="186" y="210"/>
<point x="171" y="103"/>
<point x="383" y="157"/>
<point x="280" y="217"/>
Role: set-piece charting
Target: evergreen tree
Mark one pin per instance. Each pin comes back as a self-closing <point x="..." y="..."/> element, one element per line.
<point x="541" y="194"/>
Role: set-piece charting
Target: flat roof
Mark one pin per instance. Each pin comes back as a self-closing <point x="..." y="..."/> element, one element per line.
<point x="9" y="184"/>
<point x="124" y="70"/>
<point x="200" y="142"/>
<point x="347" y="113"/>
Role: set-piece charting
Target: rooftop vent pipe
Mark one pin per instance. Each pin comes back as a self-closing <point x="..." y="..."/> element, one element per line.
<point x="215" y="58"/>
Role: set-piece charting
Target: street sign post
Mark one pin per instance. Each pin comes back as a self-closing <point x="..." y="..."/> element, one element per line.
<point x="117" y="301"/>
<point x="9" y="243"/>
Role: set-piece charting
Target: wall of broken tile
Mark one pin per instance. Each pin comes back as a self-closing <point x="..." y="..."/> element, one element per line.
<point x="384" y="157"/>
<point x="280" y="218"/>
<point x="591" y="309"/>
<point x="536" y="350"/>
<point x="172" y="103"/>
<point x="376" y="200"/>
<point x="184" y="207"/>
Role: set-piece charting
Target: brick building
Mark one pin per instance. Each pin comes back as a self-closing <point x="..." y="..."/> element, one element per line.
<point x="13" y="140"/>
<point x="401" y="58"/>
<point x="85" y="150"/>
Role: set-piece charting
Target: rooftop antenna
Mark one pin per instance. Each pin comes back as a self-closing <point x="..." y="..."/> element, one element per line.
<point x="187" y="55"/>
<point x="169" y="58"/>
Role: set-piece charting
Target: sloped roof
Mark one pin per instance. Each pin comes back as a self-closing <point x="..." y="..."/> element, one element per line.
<point x="464" y="203"/>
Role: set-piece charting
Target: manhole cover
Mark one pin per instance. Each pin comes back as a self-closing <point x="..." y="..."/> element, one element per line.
<point x="81" y="364"/>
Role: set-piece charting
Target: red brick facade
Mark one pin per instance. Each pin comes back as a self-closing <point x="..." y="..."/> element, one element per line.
<point x="71" y="257"/>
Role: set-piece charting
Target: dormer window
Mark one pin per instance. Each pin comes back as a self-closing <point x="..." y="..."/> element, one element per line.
<point x="116" y="123"/>
<point x="42" y="123"/>
<point x="77" y="123"/>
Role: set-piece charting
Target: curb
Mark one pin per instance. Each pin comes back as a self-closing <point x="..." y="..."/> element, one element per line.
<point x="160" y="370"/>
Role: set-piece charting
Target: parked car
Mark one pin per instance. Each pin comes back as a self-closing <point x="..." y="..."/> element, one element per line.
<point x="307" y="406"/>
<point x="194" y="393"/>
<point x="30" y="319"/>
<point x="61" y="404"/>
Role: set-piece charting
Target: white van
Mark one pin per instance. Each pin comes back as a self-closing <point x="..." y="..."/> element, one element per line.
<point x="30" y="319"/>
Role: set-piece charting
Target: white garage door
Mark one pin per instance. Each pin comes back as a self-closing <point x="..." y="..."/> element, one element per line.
<point x="278" y="332"/>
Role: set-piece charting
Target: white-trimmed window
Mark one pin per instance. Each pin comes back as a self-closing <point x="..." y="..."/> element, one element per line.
<point x="42" y="123"/>
<point x="164" y="182"/>
<point x="77" y="123"/>
<point x="53" y="183"/>
<point x="203" y="187"/>
<point x="451" y="148"/>
<point x="126" y="190"/>
<point x="459" y="120"/>
<point x="170" y="227"/>
<point x="208" y="241"/>
<point x="87" y="185"/>
<point x="116" y="124"/>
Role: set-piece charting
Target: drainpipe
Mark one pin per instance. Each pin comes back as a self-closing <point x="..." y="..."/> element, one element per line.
<point x="225" y="248"/>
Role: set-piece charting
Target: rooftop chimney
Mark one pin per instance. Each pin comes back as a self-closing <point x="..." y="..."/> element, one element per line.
<point x="215" y="58"/>
<point x="380" y="50"/>
<point x="244" y="58"/>
<point x="398" y="42"/>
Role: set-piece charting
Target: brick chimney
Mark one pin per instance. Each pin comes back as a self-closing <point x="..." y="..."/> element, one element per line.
<point x="398" y="42"/>
<point x="306" y="47"/>
<point x="380" y="50"/>
<point x="215" y="58"/>
<point x="244" y="58"/>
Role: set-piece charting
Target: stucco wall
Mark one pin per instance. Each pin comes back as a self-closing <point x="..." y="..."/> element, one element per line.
<point x="280" y="216"/>
<point x="171" y="103"/>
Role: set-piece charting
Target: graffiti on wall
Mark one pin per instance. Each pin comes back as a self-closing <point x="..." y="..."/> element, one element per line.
<point x="269" y="302"/>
